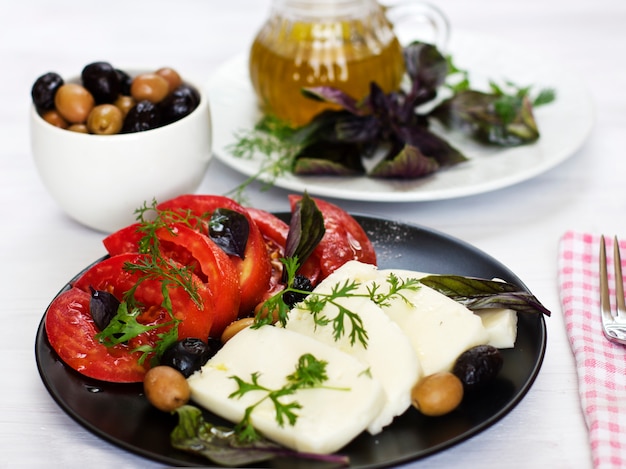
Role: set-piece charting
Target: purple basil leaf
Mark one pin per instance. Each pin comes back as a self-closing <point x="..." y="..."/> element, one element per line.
<point x="329" y="158"/>
<point x="431" y="145"/>
<point x="306" y="229"/>
<point x="425" y="65"/>
<point x="408" y="163"/>
<point x="358" y="129"/>
<point x="378" y="101"/>
<point x="332" y="95"/>
<point x="229" y="229"/>
<point x="477" y="293"/>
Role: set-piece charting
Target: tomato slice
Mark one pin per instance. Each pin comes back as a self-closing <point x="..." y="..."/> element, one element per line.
<point x="344" y="239"/>
<point x="112" y="276"/>
<point x="71" y="330"/>
<point x="275" y="232"/>
<point x="216" y="266"/>
<point x="255" y="268"/>
<point x="124" y="240"/>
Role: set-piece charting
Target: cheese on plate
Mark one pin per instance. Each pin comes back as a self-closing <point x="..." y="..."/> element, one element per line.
<point x="329" y="417"/>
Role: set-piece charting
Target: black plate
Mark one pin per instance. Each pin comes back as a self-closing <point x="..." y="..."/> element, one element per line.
<point x="120" y="414"/>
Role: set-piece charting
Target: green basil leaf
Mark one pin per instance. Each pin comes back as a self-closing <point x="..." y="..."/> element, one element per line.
<point x="229" y="229"/>
<point x="478" y="294"/>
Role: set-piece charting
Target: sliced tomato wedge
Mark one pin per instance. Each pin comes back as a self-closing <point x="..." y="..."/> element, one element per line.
<point x="275" y="232"/>
<point x="255" y="268"/>
<point x="216" y="266"/>
<point x="111" y="275"/>
<point x="71" y="333"/>
<point x="200" y="254"/>
<point x="124" y="240"/>
<point x="344" y="239"/>
<point x="71" y="330"/>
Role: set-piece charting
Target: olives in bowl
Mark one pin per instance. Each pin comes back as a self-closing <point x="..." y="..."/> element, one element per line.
<point x="102" y="160"/>
<point x="106" y="100"/>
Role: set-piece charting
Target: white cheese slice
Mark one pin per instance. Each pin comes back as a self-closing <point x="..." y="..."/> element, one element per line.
<point x="389" y="354"/>
<point x="501" y="325"/>
<point x="329" y="418"/>
<point x="439" y="328"/>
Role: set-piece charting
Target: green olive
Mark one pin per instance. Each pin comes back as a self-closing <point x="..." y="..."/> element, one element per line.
<point x="437" y="394"/>
<point x="172" y="76"/>
<point x="166" y="388"/>
<point x="53" y="117"/>
<point x="105" y="119"/>
<point x="234" y="327"/>
<point x="125" y="103"/>
<point x="80" y="128"/>
<point x="149" y="86"/>
<point x="73" y="102"/>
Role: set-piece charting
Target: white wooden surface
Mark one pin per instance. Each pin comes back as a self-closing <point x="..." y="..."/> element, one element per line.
<point x="41" y="248"/>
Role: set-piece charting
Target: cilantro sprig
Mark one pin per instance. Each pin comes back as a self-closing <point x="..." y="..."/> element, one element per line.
<point x="310" y="373"/>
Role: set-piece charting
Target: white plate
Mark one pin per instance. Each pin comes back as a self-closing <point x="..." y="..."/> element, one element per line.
<point x="564" y="125"/>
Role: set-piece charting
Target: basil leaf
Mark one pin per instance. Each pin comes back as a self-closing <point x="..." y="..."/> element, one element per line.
<point x="103" y="307"/>
<point x="490" y="118"/>
<point x="218" y="444"/>
<point x="476" y="294"/>
<point x="408" y="163"/>
<point x="306" y="229"/>
<point x="222" y="446"/>
<point x="229" y="229"/>
<point x="340" y="159"/>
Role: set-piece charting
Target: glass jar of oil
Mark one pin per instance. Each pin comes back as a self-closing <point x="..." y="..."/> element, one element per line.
<point x="345" y="44"/>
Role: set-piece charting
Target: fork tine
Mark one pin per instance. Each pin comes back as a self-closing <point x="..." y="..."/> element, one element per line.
<point x="619" y="283"/>
<point x="605" y="302"/>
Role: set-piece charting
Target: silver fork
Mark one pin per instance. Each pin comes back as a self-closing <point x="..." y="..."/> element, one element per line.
<point x="613" y="324"/>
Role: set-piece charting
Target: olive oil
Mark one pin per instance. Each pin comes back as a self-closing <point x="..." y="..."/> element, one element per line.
<point x="287" y="56"/>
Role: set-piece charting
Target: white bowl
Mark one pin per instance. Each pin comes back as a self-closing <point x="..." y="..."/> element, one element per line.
<point x="99" y="180"/>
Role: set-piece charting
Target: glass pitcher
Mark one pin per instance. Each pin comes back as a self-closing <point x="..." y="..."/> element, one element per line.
<point x="345" y="44"/>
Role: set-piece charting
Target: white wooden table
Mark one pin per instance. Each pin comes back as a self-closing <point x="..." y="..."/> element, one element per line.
<point x="41" y="248"/>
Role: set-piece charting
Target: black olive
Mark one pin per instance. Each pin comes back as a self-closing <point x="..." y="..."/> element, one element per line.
<point x="125" y="81"/>
<point x="44" y="89"/>
<point x="478" y="366"/>
<point x="102" y="81"/>
<point x="178" y="104"/>
<point x="187" y="91"/>
<point x="300" y="282"/>
<point x="143" y="116"/>
<point x="188" y="355"/>
<point x="103" y="307"/>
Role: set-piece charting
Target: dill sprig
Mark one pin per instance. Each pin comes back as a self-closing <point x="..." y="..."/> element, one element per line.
<point x="153" y="266"/>
<point x="276" y="142"/>
<point x="345" y="321"/>
<point x="310" y="373"/>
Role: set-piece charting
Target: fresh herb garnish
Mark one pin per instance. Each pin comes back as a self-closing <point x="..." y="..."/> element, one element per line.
<point x="229" y="229"/>
<point x="306" y="229"/>
<point x="152" y="266"/>
<point x="310" y="373"/>
<point x="477" y="294"/>
<point x="222" y="446"/>
<point x="345" y="321"/>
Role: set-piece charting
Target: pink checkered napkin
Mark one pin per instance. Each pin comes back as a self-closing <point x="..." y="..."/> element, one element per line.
<point x="601" y="364"/>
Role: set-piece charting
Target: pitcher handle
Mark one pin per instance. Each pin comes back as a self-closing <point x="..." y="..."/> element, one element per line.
<point x="408" y="18"/>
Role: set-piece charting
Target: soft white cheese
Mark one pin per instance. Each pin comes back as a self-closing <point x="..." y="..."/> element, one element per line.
<point x="439" y="328"/>
<point x="501" y="325"/>
<point x="328" y="419"/>
<point x="389" y="354"/>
